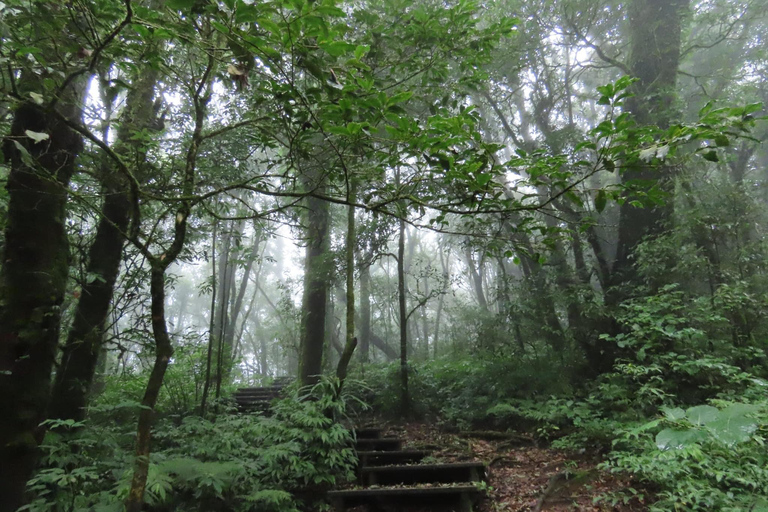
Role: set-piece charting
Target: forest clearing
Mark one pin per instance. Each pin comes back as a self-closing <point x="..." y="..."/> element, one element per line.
<point x="313" y="255"/>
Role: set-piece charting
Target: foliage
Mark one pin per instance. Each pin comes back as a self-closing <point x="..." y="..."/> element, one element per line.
<point x="704" y="458"/>
<point x="237" y="462"/>
<point x="459" y="390"/>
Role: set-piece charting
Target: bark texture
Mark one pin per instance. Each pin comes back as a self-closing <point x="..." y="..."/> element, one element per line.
<point x="316" y="282"/>
<point x="655" y="31"/>
<point x="33" y="280"/>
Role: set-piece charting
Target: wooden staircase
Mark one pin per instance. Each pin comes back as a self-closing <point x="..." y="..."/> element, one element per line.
<point x="260" y="399"/>
<point x="393" y="479"/>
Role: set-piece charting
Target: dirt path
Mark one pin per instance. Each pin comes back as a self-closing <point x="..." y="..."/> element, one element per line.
<point x="520" y="473"/>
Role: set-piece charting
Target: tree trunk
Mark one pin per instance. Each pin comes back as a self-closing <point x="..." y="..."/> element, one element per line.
<point x="365" y="311"/>
<point x="425" y="320"/>
<point x="314" y="300"/>
<point x="78" y="360"/>
<point x="237" y="305"/>
<point x="212" y="325"/>
<point x="445" y="265"/>
<point x="477" y="280"/>
<point x="655" y="35"/>
<point x="163" y="353"/>
<point x="226" y="280"/>
<point x="159" y="265"/>
<point x="380" y="344"/>
<point x="33" y="280"/>
<point x="349" y="347"/>
<point x="405" y="400"/>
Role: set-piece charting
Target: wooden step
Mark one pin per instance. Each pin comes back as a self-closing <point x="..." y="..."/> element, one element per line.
<point x="379" y="458"/>
<point x="249" y="397"/>
<point x="253" y="399"/>
<point x="423" y="474"/>
<point x="264" y="396"/>
<point x="258" y="391"/>
<point x="385" y="444"/>
<point x="260" y="407"/>
<point x="455" y="498"/>
<point x="368" y="433"/>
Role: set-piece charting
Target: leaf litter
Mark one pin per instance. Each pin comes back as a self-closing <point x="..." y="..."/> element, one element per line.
<point x="525" y="477"/>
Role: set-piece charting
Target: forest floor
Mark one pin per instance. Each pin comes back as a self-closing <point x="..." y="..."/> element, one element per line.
<point x="523" y="477"/>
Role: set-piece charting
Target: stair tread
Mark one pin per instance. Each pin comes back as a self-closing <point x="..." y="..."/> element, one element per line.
<point x="419" y="489"/>
<point x="392" y="452"/>
<point x="368" y="433"/>
<point x="422" y="467"/>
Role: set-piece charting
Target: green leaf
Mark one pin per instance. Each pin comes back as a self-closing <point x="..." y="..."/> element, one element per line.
<point x="675" y="439"/>
<point x="269" y="25"/>
<point x="722" y="141"/>
<point x="361" y="50"/>
<point x="735" y="410"/>
<point x="711" y="156"/>
<point x="702" y="414"/>
<point x="733" y="431"/>
<point x="27" y="50"/>
<point x="338" y="130"/>
<point x="600" y="201"/>
<point x="329" y="10"/>
<point x="336" y="48"/>
<point x="674" y="414"/>
<point x="246" y="13"/>
<point x="180" y="5"/>
<point x="400" y="97"/>
<point x="483" y="179"/>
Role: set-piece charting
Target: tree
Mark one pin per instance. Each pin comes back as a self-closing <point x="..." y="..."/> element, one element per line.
<point x="655" y="32"/>
<point x="86" y="335"/>
<point x="316" y="282"/>
<point x="42" y="149"/>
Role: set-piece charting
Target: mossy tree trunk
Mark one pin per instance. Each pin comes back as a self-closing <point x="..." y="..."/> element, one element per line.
<point x="33" y="280"/>
<point x="351" y="342"/>
<point x="365" y="311"/>
<point x="655" y="30"/>
<point x="316" y="283"/>
<point x="86" y="335"/>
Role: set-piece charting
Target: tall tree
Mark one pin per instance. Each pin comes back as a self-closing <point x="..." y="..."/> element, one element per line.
<point x="86" y="335"/>
<point x="405" y="397"/>
<point x="200" y="90"/>
<point x="316" y="285"/>
<point x="42" y="149"/>
<point x="655" y="32"/>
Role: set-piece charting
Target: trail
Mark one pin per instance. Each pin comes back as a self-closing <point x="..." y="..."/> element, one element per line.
<point x="523" y="477"/>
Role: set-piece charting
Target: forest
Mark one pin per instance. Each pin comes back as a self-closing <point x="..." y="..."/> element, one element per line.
<point x="536" y="221"/>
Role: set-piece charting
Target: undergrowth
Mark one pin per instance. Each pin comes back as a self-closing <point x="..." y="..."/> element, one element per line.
<point x="232" y="462"/>
<point x="684" y="412"/>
